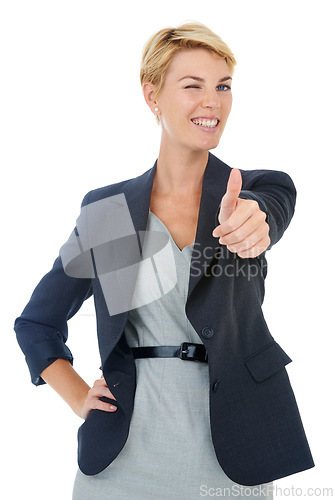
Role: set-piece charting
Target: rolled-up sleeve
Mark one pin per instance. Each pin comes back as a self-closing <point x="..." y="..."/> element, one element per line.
<point x="42" y="330"/>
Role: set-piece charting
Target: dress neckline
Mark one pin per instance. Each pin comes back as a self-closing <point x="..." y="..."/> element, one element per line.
<point x="179" y="249"/>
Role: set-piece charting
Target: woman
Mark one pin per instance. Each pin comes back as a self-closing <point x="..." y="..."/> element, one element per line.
<point x="194" y="396"/>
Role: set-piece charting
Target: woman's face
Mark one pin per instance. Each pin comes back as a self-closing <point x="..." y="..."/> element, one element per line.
<point x="195" y="100"/>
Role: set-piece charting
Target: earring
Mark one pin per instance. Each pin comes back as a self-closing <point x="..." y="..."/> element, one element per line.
<point x="156" y="109"/>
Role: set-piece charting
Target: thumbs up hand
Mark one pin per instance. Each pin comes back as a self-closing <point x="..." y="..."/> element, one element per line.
<point x="243" y="227"/>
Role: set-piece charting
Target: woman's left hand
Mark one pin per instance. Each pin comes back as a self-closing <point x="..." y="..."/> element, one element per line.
<point x="243" y="227"/>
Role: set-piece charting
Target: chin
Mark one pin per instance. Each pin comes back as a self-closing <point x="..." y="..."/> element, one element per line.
<point x="209" y="145"/>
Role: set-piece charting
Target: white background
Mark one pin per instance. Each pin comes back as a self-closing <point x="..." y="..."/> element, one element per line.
<point x="72" y="110"/>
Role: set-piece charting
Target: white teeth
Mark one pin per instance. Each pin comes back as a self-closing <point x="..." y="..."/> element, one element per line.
<point x="206" y="123"/>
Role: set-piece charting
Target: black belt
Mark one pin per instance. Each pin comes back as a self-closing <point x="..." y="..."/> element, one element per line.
<point x="186" y="351"/>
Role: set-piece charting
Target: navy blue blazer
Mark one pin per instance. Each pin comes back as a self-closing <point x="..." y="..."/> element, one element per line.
<point x="256" y="428"/>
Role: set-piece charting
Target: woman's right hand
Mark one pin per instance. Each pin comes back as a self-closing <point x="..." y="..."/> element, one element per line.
<point x="92" y="401"/>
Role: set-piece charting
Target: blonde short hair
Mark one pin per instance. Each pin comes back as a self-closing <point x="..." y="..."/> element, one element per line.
<point x="161" y="47"/>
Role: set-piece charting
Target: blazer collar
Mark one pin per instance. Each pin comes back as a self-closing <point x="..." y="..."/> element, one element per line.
<point x="138" y="195"/>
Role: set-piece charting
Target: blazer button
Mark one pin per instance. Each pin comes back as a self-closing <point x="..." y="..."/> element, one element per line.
<point x="207" y="332"/>
<point x="215" y="386"/>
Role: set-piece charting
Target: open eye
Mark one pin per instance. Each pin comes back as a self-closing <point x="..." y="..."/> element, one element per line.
<point x="222" y="87"/>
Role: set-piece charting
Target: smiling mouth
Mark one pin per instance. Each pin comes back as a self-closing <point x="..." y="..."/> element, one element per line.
<point x="205" y="123"/>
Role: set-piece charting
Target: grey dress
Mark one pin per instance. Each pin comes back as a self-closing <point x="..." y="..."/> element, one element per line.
<point x="169" y="452"/>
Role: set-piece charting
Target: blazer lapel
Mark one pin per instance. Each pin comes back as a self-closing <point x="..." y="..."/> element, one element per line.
<point x="138" y="195"/>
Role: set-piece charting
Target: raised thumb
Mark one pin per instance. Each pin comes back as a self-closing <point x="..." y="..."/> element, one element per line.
<point x="230" y="198"/>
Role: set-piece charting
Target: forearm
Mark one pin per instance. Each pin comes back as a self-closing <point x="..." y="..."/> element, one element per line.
<point x="62" y="377"/>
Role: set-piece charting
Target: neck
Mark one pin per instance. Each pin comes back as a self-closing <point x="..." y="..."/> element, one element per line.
<point x="179" y="172"/>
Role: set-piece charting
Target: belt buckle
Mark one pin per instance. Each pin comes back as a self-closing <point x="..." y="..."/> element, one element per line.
<point x="184" y="351"/>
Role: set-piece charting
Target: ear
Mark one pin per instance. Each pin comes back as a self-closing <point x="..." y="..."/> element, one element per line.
<point x="148" y="91"/>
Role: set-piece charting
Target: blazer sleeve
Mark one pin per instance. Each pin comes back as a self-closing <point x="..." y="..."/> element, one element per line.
<point x="42" y="330"/>
<point x="275" y="193"/>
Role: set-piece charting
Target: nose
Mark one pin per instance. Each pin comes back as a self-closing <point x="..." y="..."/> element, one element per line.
<point x="211" y="99"/>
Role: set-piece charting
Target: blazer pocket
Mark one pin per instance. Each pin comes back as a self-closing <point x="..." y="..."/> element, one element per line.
<point x="267" y="361"/>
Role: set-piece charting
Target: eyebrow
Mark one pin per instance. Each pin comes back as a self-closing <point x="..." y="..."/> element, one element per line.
<point x="202" y="79"/>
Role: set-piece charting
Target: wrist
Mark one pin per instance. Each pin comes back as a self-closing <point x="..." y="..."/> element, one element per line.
<point x="78" y="403"/>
